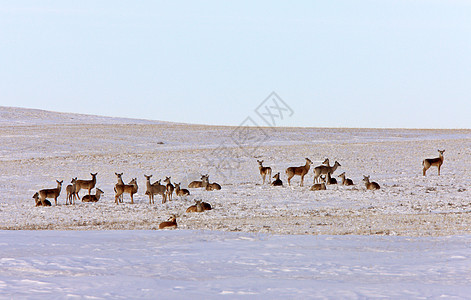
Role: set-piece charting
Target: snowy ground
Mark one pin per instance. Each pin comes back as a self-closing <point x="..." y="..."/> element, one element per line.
<point x="431" y="213"/>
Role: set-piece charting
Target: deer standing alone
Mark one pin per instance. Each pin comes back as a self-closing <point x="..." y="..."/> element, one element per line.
<point x="155" y="188"/>
<point x="277" y="181"/>
<point x="130" y="188"/>
<point x="264" y="171"/>
<point x="300" y="171"/>
<point x="345" y="181"/>
<point x="325" y="169"/>
<point x="50" y="193"/>
<point x="70" y="189"/>
<point x="93" y="198"/>
<point x="85" y="184"/>
<point x="370" y="185"/>
<point x="437" y="162"/>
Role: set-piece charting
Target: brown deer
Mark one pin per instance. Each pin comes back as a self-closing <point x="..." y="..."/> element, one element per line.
<point x="70" y="189"/>
<point x="264" y="171"/>
<point x="199" y="206"/>
<point x="277" y="181"/>
<point x="38" y="201"/>
<point x="130" y="188"/>
<point x="197" y="183"/>
<point x="170" y="223"/>
<point x="300" y="171"/>
<point x="85" y="184"/>
<point x="330" y="180"/>
<point x="93" y="198"/>
<point x="325" y="169"/>
<point x="181" y="192"/>
<point x="319" y="186"/>
<point x="50" y="193"/>
<point x="370" y="185"/>
<point x="436" y="162"/>
<point x="210" y="186"/>
<point x="119" y="177"/>
<point x="170" y="188"/>
<point x="155" y="188"/>
<point x="345" y="181"/>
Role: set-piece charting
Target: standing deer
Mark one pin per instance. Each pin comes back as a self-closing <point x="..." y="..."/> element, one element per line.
<point x="50" y="193"/>
<point x="319" y="186"/>
<point x="300" y="171"/>
<point x="93" y="198"/>
<point x="345" y="181"/>
<point x="170" y="188"/>
<point x="85" y="184"/>
<point x="264" y="171"/>
<point x="370" y="185"/>
<point x="70" y="189"/>
<point x="325" y="170"/>
<point x="277" y="181"/>
<point x="197" y="183"/>
<point x="170" y="223"/>
<point x="130" y="188"/>
<point x="155" y="188"/>
<point x="181" y="192"/>
<point x="437" y="162"/>
<point x="119" y="177"/>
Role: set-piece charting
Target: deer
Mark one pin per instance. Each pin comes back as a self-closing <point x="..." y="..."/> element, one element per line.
<point x="436" y="162"/>
<point x="85" y="184"/>
<point x="181" y="192"/>
<point x="130" y="188"/>
<point x="155" y="188"/>
<point x="210" y="186"/>
<point x="38" y="201"/>
<point x="50" y="193"/>
<point x="199" y="206"/>
<point x="345" y="181"/>
<point x="93" y="198"/>
<point x="264" y="171"/>
<point x="300" y="171"/>
<point x="330" y="180"/>
<point x="170" y="188"/>
<point x="277" y="181"/>
<point x="119" y="176"/>
<point x="70" y="189"/>
<point x="170" y="223"/>
<point x="370" y="185"/>
<point x="325" y="169"/>
<point x="319" y="186"/>
<point x="197" y="183"/>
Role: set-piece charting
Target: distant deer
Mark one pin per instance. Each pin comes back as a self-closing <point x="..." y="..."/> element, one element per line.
<point x="50" y="193"/>
<point x="38" y="201"/>
<point x="181" y="192"/>
<point x="319" y="186"/>
<point x="437" y="162"/>
<point x="370" y="185"/>
<point x="130" y="188"/>
<point x="155" y="188"/>
<point x="85" y="184"/>
<point x="170" y="188"/>
<point x="326" y="162"/>
<point x="197" y="183"/>
<point x="119" y="177"/>
<point x="330" y="180"/>
<point x="199" y="206"/>
<point x="345" y="181"/>
<point x="322" y="169"/>
<point x="170" y="223"/>
<point x="93" y="198"/>
<point x="300" y="171"/>
<point x="70" y="189"/>
<point x="264" y="171"/>
<point x="277" y="181"/>
<point x="210" y="186"/>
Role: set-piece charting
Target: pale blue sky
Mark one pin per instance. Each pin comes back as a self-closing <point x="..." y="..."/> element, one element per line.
<point x="335" y="63"/>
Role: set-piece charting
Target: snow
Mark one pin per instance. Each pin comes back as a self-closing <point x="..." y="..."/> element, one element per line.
<point x="407" y="240"/>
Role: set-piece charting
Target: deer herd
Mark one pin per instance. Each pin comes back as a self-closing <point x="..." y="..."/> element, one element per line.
<point x="322" y="177"/>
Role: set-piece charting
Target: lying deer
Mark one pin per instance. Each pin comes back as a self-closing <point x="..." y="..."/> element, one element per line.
<point x="130" y="188"/>
<point x="330" y="180"/>
<point x="210" y="186"/>
<point x="85" y="184"/>
<point x="50" y="193"/>
<point x="155" y="188"/>
<point x="70" y="189"/>
<point x="277" y="181"/>
<point x="319" y="186"/>
<point x="93" y="198"/>
<point x="436" y="162"/>
<point x="325" y="169"/>
<point x="264" y="171"/>
<point x="38" y="201"/>
<point x="170" y="223"/>
<point x="370" y="185"/>
<point x="169" y="188"/>
<point x="199" y="206"/>
<point x="197" y="183"/>
<point x="300" y="171"/>
<point x="345" y="181"/>
<point x="181" y="192"/>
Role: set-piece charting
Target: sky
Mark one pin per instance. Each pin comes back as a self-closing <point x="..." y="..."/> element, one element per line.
<point x="374" y="64"/>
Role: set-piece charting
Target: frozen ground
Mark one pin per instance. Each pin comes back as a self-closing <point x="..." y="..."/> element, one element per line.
<point x="251" y="226"/>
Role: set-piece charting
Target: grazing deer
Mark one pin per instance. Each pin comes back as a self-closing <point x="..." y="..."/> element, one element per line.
<point x="197" y="183"/>
<point x="70" y="189"/>
<point x="330" y="180"/>
<point x="51" y="193"/>
<point x="93" y="198"/>
<point x="155" y="188"/>
<point x="85" y="184"/>
<point x="210" y="186"/>
<point x="130" y="188"/>
<point x="437" y="162"/>
<point x="345" y="181"/>
<point x="181" y="192"/>
<point x="277" y="181"/>
<point x="325" y="170"/>
<point x="264" y="171"/>
<point x="170" y="188"/>
<point x="38" y="201"/>
<point x="170" y="223"/>
<point x="319" y="186"/>
<point x="300" y="171"/>
<point x="370" y="185"/>
<point x="199" y="206"/>
<point x="119" y="177"/>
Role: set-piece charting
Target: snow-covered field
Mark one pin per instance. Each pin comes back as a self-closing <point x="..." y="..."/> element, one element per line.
<point x="262" y="240"/>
